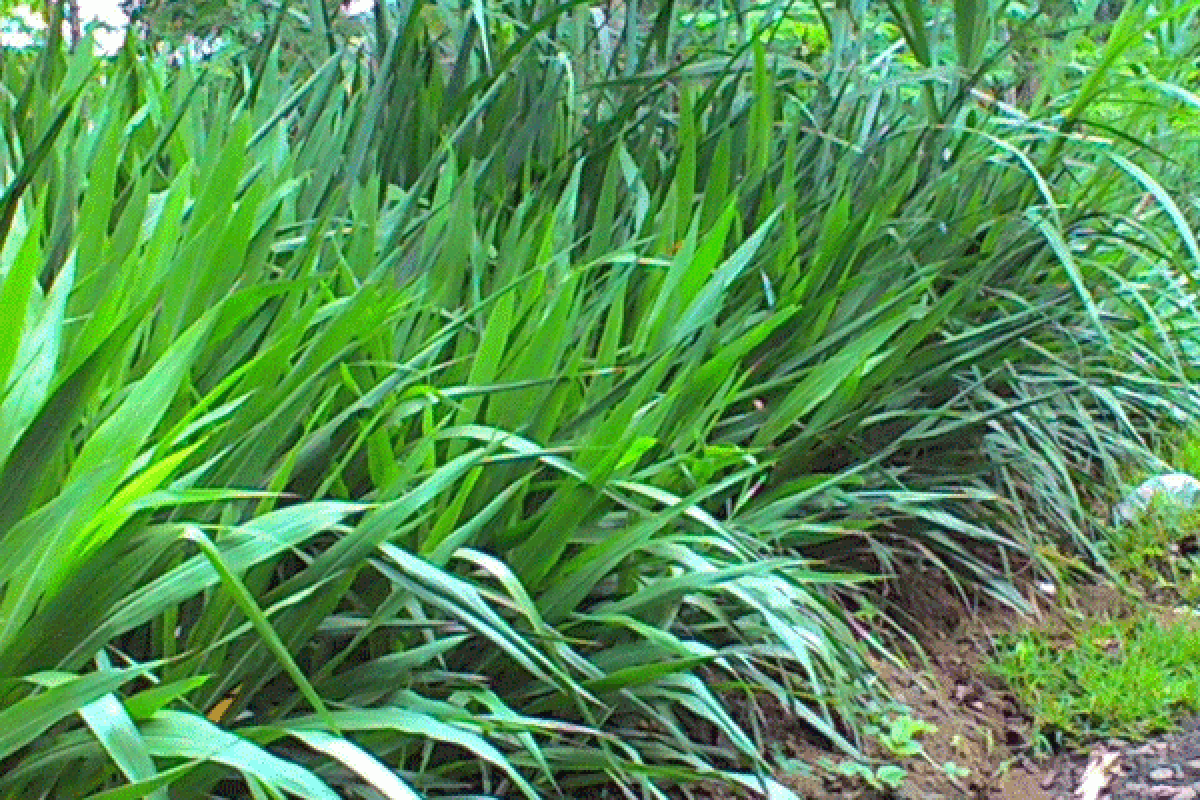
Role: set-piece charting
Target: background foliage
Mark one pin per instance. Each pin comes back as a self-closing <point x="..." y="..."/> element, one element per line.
<point x="528" y="400"/>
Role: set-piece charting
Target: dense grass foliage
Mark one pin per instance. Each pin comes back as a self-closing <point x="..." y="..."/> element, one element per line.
<point x="510" y="403"/>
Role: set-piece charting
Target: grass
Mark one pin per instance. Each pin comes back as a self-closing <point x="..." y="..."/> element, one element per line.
<point x="1109" y="679"/>
<point x="511" y="418"/>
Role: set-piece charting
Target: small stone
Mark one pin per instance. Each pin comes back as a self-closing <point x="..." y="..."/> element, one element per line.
<point x="1175" y="488"/>
<point x="1161" y="792"/>
<point x="1192" y="766"/>
<point x="1186" y="793"/>
<point x="1162" y="774"/>
<point x="1146" y="750"/>
<point x="1049" y="779"/>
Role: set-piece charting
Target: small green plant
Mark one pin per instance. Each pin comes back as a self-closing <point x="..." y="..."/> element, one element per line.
<point x="901" y="734"/>
<point x="792" y="767"/>
<point x="887" y="777"/>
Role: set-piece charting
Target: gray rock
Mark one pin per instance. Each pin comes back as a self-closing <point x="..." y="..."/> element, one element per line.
<point x="1176" y="489"/>
<point x="1162" y="774"/>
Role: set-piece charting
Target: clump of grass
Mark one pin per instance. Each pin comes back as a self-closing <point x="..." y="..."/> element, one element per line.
<point x="1157" y="555"/>
<point x="1125" y="678"/>
<point x="1186" y="454"/>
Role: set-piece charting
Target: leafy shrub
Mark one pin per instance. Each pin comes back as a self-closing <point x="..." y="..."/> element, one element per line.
<point x="518" y="418"/>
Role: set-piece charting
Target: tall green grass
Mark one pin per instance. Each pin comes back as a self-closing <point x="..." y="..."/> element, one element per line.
<point x="514" y="407"/>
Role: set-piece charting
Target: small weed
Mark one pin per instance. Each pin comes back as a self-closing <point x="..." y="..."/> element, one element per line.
<point x="792" y="767"/>
<point x="900" y="735"/>
<point x="888" y="777"/>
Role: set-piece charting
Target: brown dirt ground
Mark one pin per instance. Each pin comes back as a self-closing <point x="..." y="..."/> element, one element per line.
<point x="979" y="724"/>
<point x="942" y="679"/>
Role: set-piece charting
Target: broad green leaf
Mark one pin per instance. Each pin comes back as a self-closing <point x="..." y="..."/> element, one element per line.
<point x="366" y="766"/>
<point x="26" y="719"/>
<point x="112" y="725"/>
<point x="414" y="723"/>
<point x="173" y="734"/>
